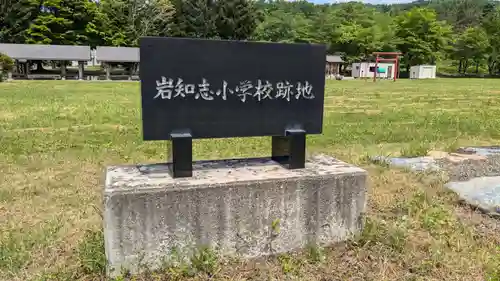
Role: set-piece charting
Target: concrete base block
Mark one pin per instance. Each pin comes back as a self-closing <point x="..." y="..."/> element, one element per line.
<point x="245" y="208"/>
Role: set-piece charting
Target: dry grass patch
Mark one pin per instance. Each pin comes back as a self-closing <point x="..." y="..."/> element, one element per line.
<point x="42" y="220"/>
<point x="54" y="159"/>
<point x="7" y="116"/>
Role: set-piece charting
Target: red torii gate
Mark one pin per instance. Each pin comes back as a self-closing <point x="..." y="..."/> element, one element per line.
<point x="380" y="58"/>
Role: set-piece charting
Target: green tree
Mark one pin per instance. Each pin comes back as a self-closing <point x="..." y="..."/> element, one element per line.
<point x="324" y="28"/>
<point x="421" y="37"/>
<point x="491" y="27"/>
<point x="126" y="21"/>
<point x="6" y="65"/>
<point x="16" y="19"/>
<point x="65" y="22"/>
<point x="472" y="46"/>
<point x="236" y="19"/>
<point x="194" y="18"/>
<point x="461" y="14"/>
<point x="303" y="7"/>
<point x="352" y="29"/>
<point x="280" y="26"/>
<point x="229" y="19"/>
<point x="361" y="31"/>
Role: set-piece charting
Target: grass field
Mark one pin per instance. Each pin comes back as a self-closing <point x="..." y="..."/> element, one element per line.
<point x="57" y="137"/>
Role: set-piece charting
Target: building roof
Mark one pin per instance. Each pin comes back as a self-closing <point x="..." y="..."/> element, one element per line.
<point x="46" y="52"/>
<point x="117" y="54"/>
<point x="334" y="58"/>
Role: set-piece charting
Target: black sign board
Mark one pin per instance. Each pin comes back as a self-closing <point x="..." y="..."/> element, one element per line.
<point x="198" y="88"/>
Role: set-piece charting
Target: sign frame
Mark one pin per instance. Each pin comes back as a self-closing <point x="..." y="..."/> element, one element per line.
<point x="279" y="92"/>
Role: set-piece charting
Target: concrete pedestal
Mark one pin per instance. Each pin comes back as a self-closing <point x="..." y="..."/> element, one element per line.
<point x="27" y="68"/>
<point x="107" y="67"/>
<point x="81" y="68"/>
<point x="63" y="70"/>
<point x="248" y="208"/>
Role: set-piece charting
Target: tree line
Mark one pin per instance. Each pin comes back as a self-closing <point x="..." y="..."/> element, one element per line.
<point x="465" y="31"/>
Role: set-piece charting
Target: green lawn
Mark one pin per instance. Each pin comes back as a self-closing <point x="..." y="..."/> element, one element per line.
<point x="57" y="137"/>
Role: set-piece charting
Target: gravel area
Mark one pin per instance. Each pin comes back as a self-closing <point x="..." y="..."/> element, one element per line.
<point x="472" y="173"/>
<point x="482" y="176"/>
<point x="468" y="169"/>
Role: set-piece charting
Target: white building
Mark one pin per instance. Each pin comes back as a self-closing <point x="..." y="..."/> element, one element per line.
<point x="367" y="70"/>
<point x="423" y="72"/>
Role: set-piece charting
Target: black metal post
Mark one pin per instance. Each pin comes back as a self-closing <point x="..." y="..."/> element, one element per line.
<point x="279" y="146"/>
<point x="182" y="155"/>
<point x="290" y="149"/>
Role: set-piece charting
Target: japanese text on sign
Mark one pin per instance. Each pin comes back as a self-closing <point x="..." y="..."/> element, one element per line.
<point x="169" y="88"/>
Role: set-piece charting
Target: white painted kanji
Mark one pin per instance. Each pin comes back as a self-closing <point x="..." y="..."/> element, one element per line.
<point x="263" y="90"/>
<point x="245" y="90"/>
<point x="224" y="92"/>
<point x="304" y="91"/>
<point x="204" y="91"/>
<point x="285" y="90"/>
<point x="180" y="89"/>
<point x="164" y="88"/>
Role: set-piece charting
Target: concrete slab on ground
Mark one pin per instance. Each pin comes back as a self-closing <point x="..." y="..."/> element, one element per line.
<point x="430" y="161"/>
<point x="416" y="164"/>
<point x="481" y="150"/>
<point x="483" y="192"/>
